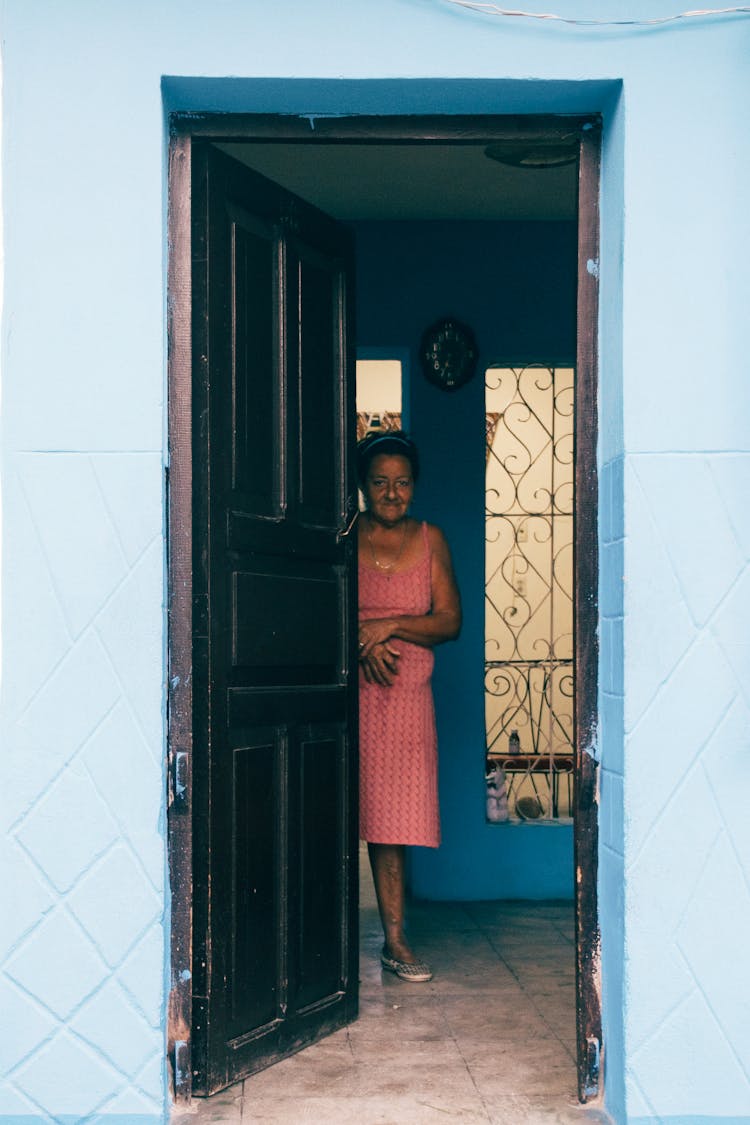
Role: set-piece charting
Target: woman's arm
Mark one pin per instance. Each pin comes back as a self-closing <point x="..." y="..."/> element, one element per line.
<point x="442" y="623"/>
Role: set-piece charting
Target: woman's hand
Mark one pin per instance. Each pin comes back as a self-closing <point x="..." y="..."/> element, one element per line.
<point x="374" y="632"/>
<point x="380" y="666"/>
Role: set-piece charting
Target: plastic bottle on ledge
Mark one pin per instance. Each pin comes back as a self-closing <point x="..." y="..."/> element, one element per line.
<point x="514" y="743"/>
<point x="497" y="795"/>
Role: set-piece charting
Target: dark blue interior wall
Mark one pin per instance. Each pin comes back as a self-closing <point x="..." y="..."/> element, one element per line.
<point x="515" y="285"/>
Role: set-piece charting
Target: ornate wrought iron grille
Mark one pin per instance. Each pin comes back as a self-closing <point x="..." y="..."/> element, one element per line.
<point x="529" y="681"/>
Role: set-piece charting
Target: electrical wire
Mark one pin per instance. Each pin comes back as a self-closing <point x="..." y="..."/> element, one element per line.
<point x="659" y="21"/>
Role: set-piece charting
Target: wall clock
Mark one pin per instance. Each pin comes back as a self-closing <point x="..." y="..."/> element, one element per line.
<point x="449" y="354"/>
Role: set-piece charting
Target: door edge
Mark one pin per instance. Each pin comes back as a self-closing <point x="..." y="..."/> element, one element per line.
<point x="586" y="620"/>
<point x="179" y="617"/>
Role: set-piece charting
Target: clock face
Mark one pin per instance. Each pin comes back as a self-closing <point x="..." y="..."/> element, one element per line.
<point x="449" y="354"/>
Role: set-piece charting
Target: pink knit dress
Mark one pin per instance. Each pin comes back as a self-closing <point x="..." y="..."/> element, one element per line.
<point x="398" y="797"/>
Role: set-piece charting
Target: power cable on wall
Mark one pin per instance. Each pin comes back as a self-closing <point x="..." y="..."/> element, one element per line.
<point x="658" y="21"/>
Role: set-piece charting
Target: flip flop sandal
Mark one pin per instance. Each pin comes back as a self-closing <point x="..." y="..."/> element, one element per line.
<point x="415" y="971"/>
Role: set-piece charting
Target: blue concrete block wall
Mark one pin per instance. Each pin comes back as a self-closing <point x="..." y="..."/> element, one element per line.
<point x="84" y="93"/>
<point x="611" y="875"/>
<point x="82" y="931"/>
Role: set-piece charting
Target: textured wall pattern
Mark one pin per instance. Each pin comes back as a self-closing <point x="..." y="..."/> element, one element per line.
<point x="82" y="945"/>
<point x="687" y="724"/>
<point x="611" y="823"/>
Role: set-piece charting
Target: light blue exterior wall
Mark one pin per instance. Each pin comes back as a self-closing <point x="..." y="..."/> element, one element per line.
<point x="82" y="946"/>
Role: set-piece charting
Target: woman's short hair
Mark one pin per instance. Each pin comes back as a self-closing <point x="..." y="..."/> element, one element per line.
<point x="393" y="443"/>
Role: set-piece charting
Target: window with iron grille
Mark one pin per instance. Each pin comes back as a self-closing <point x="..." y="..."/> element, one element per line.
<point x="529" y="676"/>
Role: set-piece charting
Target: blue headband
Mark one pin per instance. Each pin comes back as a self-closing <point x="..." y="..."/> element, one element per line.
<point x="371" y="440"/>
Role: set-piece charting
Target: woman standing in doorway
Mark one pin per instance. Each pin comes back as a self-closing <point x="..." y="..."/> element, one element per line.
<point x="408" y="603"/>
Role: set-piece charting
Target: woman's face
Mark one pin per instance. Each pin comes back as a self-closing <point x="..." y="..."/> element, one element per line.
<point x="389" y="488"/>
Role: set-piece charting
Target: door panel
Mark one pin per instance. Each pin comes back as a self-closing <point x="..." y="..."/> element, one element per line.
<point x="319" y="767"/>
<point x="287" y="645"/>
<point x="254" y="370"/>
<point x="255" y="876"/>
<point x="318" y="393"/>
<point x="275" y="825"/>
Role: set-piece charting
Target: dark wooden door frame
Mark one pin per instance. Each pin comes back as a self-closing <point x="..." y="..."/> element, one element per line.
<point x="395" y="130"/>
<point x="586" y="623"/>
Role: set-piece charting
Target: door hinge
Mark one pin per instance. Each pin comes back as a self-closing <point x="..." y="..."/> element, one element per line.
<point x="180" y="764"/>
<point x="181" y="1062"/>
<point x="593" y="1061"/>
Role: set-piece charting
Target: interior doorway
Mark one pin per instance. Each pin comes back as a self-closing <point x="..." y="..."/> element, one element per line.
<point x="372" y="159"/>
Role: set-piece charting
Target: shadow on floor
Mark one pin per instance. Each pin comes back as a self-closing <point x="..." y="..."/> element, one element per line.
<point x="490" y="1041"/>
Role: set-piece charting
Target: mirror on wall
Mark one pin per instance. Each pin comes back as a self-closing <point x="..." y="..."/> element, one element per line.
<point x="379" y="395"/>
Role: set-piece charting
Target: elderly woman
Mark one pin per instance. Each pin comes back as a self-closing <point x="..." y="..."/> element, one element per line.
<point x="408" y="603"/>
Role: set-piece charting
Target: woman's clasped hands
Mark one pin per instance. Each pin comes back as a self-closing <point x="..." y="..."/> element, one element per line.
<point x="378" y="658"/>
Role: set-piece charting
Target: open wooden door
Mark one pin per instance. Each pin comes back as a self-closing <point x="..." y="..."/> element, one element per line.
<point x="274" y="673"/>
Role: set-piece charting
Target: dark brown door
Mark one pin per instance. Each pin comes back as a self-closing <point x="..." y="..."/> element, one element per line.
<point x="275" y="826"/>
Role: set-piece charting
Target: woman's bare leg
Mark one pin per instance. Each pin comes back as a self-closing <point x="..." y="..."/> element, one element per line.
<point x="388" y="868"/>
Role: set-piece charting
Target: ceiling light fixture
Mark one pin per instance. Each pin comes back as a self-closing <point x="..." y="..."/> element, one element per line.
<point x="554" y="152"/>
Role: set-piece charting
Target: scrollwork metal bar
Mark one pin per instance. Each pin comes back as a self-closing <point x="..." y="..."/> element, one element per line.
<point x="528" y="587"/>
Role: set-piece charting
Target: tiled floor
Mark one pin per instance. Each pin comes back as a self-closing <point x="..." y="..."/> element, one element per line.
<point x="490" y="1040"/>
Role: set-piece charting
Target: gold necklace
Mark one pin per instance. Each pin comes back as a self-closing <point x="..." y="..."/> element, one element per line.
<point x="386" y="566"/>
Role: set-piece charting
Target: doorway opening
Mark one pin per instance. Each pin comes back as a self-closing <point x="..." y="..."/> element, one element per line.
<point x="390" y="182"/>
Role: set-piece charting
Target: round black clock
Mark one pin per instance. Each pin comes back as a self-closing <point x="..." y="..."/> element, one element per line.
<point x="449" y="354"/>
